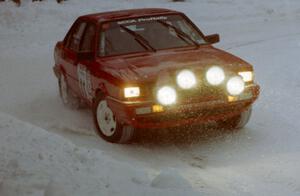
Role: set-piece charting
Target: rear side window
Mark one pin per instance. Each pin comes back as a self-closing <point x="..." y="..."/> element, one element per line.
<point x="88" y="39"/>
<point x="75" y="37"/>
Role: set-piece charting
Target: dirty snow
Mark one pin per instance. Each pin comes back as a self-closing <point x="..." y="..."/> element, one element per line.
<point x="47" y="149"/>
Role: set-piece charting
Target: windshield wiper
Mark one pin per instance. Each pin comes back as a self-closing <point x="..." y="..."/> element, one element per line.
<point x="139" y="38"/>
<point x="180" y="33"/>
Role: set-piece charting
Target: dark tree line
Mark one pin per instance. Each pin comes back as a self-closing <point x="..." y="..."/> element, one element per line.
<point x="18" y="2"/>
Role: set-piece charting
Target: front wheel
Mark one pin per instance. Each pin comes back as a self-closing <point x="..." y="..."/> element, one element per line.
<point x="107" y="125"/>
<point x="236" y="122"/>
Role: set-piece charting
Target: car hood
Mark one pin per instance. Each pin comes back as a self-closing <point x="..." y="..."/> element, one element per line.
<point x="150" y="66"/>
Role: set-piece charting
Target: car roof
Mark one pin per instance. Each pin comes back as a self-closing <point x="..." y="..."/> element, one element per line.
<point x="123" y="14"/>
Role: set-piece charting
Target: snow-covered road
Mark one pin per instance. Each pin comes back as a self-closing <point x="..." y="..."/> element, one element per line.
<point x="261" y="159"/>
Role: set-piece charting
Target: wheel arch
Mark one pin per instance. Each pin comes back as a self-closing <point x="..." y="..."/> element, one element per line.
<point x="100" y="91"/>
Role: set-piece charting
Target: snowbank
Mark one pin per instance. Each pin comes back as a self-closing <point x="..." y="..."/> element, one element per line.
<point x="36" y="162"/>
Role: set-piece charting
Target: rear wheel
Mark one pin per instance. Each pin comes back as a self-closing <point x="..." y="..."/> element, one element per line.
<point x="107" y="125"/>
<point x="236" y="122"/>
<point x="67" y="97"/>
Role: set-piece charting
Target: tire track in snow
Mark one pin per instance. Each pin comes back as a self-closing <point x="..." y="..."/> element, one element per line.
<point x="261" y="41"/>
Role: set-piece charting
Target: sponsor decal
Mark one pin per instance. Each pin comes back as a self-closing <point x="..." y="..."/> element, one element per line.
<point x="137" y="20"/>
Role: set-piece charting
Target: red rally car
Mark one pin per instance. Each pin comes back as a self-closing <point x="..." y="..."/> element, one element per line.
<point x="151" y="68"/>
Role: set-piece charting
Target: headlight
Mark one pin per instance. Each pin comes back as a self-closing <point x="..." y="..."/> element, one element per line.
<point x="246" y="75"/>
<point x="186" y="79"/>
<point x="215" y="75"/>
<point x="166" y="95"/>
<point x="235" y="85"/>
<point x="131" y="92"/>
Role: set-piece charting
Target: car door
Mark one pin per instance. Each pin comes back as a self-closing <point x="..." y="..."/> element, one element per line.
<point x="84" y="66"/>
<point x="70" y="54"/>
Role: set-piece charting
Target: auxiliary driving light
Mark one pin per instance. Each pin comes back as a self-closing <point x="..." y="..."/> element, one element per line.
<point x="235" y="85"/>
<point x="166" y="95"/>
<point x="186" y="79"/>
<point x="215" y="75"/>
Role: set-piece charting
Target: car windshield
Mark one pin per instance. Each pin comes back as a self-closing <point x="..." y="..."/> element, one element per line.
<point x="147" y="34"/>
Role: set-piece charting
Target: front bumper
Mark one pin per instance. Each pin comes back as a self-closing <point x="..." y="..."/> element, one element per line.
<point x="183" y="113"/>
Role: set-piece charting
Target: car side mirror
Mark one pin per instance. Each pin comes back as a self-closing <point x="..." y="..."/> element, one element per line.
<point x="212" y="39"/>
<point x="85" y="56"/>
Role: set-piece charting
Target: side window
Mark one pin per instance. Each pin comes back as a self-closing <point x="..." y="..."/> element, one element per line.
<point x="88" y="39"/>
<point x="75" y="37"/>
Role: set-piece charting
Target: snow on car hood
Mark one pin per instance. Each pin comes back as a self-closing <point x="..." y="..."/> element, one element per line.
<point x="153" y="65"/>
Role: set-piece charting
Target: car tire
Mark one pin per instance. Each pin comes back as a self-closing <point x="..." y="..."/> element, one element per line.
<point x="107" y="125"/>
<point x="66" y="96"/>
<point x="236" y="122"/>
